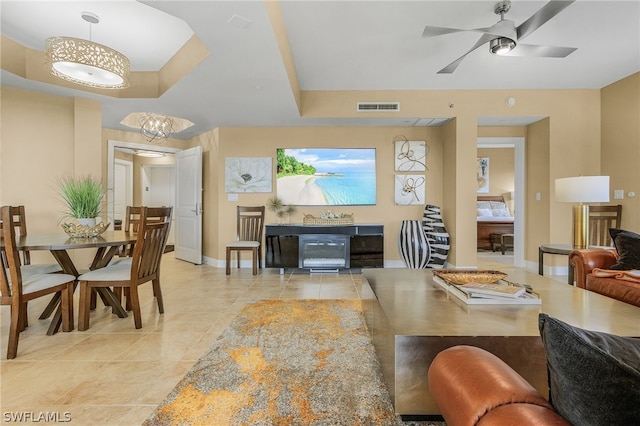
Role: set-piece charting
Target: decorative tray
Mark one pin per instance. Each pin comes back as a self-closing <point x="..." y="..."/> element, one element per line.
<point x="309" y="219"/>
<point x="465" y="277"/>
<point x="84" y="231"/>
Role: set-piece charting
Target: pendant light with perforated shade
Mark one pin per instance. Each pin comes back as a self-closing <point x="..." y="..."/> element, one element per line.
<point x="86" y="62"/>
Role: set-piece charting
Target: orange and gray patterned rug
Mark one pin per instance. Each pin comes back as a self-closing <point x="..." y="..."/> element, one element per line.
<point x="285" y="362"/>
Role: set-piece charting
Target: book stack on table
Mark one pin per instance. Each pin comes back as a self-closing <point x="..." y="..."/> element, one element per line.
<point x="490" y="288"/>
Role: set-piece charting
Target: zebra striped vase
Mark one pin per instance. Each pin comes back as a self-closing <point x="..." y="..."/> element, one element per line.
<point x="413" y="245"/>
<point x="437" y="236"/>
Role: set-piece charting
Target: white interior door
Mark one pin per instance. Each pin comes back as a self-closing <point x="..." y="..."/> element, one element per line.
<point x="188" y="211"/>
<point x="123" y="188"/>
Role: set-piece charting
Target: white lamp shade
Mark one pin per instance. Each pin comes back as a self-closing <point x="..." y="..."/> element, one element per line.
<point x="583" y="189"/>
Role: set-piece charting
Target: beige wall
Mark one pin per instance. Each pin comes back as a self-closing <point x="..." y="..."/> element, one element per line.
<point x="46" y="136"/>
<point x="501" y="170"/>
<point x="263" y="142"/>
<point x="537" y="177"/>
<point x="43" y="138"/>
<point x="620" y="150"/>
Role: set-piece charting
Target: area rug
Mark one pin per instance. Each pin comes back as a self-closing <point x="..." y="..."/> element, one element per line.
<point x="285" y="362"/>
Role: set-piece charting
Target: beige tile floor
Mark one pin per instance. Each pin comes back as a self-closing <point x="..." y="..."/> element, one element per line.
<point x="113" y="374"/>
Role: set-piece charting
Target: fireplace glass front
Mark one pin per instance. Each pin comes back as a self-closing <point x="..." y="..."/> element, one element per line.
<point x="323" y="251"/>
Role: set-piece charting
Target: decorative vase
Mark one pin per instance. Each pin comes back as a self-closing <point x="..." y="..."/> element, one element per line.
<point x="413" y="244"/>
<point x="437" y="236"/>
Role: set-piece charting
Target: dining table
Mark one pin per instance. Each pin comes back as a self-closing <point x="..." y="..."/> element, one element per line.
<point x="107" y="244"/>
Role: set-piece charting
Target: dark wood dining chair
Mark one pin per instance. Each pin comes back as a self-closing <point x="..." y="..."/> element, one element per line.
<point x="17" y="289"/>
<point x="131" y="224"/>
<point x="18" y="213"/>
<point x="132" y="221"/>
<point x="250" y="225"/>
<point x="19" y="216"/>
<point x="601" y="218"/>
<point x="144" y="267"/>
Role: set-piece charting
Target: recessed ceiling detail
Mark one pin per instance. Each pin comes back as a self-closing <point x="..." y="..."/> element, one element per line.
<point x="156" y="127"/>
<point x="431" y="122"/>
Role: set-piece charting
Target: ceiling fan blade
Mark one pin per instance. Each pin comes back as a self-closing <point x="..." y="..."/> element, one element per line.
<point x="547" y="12"/>
<point x="541" y="51"/>
<point x="430" y="31"/>
<point x="436" y="31"/>
<point x="485" y="38"/>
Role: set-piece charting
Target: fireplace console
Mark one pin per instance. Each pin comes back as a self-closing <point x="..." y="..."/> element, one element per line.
<point x="324" y="247"/>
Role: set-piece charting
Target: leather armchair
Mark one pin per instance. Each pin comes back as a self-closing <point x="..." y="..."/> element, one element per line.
<point x="585" y="260"/>
<point x="474" y="387"/>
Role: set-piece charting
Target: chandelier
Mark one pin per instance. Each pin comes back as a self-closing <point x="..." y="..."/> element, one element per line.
<point x="156" y="128"/>
<point x="86" y="62"/>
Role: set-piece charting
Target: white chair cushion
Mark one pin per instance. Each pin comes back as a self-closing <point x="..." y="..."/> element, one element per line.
<point x="121" y="261"/>
<point x="249" y="244"/>
<point x="31" y="270"/>
<point x="40" y="269"/>
<point x="37" y="282"/>
<point x="117" y="272"/>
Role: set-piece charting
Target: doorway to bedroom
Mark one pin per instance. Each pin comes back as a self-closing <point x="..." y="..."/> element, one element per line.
<point x="500" y="201"/>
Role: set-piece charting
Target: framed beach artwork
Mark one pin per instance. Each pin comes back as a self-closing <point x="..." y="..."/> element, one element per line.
<point x="248" y="174"/>
<point x="326" y="176"/>
<point x="409" y="189"/>
<point x="410" y="156"/>
<point x="483" y="175"/>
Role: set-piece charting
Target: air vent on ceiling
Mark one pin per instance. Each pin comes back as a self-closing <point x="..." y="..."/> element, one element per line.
<point x="378" y="106"/>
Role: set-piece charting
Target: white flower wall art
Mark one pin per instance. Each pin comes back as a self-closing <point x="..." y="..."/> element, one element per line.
<point x="248" y="174"/>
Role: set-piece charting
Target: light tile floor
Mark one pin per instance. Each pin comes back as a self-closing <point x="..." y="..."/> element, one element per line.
<point x="113" y="374"/>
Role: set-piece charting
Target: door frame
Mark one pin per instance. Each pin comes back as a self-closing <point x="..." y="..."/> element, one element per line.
<point x="111" y="149"/>
<point x="518" y="145"/>
<point x="128" y="165"/>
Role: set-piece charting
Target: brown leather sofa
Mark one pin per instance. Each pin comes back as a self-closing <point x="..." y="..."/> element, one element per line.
<point x="584" y="261"/>
<point x="474" y="387"/>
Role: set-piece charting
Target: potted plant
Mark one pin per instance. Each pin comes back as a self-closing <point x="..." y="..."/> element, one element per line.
<point x="82" y="197"/>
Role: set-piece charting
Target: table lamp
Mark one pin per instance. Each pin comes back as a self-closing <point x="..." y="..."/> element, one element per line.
<point x="580" y="190"/>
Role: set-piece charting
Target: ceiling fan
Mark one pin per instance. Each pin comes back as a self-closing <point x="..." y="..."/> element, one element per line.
<point x="504" y="37"/>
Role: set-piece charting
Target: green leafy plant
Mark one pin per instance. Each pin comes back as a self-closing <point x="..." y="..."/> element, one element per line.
<point x="82" y="196"/>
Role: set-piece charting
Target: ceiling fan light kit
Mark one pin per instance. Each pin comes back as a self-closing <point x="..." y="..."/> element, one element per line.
<point x="504" y="37"/>
<point x="86" y="62"/>
<point x="501" y="46"/>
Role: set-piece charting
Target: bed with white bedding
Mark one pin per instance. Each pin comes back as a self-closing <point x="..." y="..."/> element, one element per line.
<point x="493" y="217"/>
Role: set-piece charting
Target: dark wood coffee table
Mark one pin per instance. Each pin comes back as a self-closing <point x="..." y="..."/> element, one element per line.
<point x="411" y="319"/>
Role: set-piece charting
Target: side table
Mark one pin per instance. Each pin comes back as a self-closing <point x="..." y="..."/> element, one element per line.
<point x="563" y="249"/>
